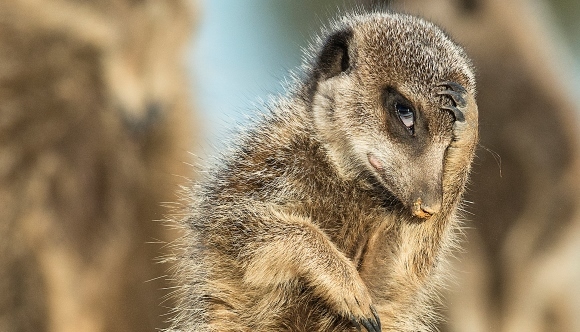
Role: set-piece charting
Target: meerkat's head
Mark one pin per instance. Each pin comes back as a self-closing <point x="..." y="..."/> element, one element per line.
<point x="374" y="93"/>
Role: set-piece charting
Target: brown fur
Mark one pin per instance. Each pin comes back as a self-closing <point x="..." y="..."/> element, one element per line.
<point x="520" y="271"/>
<point x="310" y="221"/>
<point x="86" y="159"/>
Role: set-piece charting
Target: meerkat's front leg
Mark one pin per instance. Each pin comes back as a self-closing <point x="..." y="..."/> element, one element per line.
<point x="295" y="247"/>
<point x="462" y="148"/>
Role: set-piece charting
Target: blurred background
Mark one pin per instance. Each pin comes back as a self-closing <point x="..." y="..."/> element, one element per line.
<point x="104" y="103"/>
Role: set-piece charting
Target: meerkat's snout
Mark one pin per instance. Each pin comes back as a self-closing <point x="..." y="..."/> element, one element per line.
<point x="423" y="204"/>
<point x="427" y="201"/>
<point x="425" y="209"/>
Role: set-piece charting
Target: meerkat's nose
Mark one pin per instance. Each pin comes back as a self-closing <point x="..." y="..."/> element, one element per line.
<point x="425" y="209"/>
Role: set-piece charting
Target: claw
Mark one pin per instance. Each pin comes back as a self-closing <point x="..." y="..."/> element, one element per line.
<point x="459" y="117"/>
<point x="454" y="86"/>
<point x="368" y="326"/>
<point x="457" y="93"/>
<point x="377" y="319"/>
<point x="371" y="325"/>
<point x="457" y="97"/>
<point x="355" y="323"/>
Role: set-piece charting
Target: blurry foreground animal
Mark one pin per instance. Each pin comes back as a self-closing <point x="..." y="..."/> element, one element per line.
<point x="94" y="128"/>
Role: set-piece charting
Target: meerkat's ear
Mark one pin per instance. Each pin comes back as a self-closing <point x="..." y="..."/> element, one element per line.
<point x="334" y="56"/>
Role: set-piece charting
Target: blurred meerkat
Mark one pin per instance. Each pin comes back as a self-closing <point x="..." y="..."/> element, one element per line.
<point x="337" y="208"/>
<point x="520" y="271"/>
<point x="94" y="131"/>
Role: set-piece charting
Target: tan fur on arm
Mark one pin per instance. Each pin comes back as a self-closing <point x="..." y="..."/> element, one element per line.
<point x="302" y="250"/>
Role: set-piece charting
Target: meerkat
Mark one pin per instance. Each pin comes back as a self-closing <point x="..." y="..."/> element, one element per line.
<point x="336" y="209"/>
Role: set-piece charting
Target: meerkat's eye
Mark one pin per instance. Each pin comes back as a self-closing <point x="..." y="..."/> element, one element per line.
<point x="406" y="115"/>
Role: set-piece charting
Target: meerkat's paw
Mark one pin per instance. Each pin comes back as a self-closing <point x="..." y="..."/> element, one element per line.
<point x="457" y="94"/>
<point x="355" y="303"/>
<point x="370" y="324"/>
